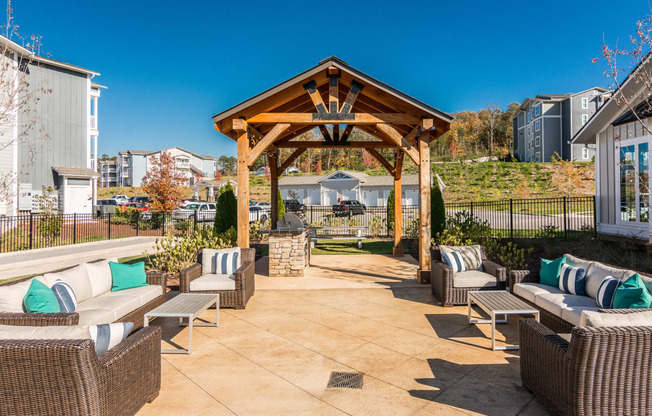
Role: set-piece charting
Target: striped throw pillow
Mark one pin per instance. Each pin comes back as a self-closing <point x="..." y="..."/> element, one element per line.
<point x="227" y="262"/>
<point x="107" y="336"/>
<point x="606" y="292"/>
<point x="572" y="279"/>
<point x="455" y="260"/>
<point x="65" y="296"/>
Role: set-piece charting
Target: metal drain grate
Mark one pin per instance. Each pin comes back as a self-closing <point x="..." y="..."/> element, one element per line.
<point x="343" y="380"/>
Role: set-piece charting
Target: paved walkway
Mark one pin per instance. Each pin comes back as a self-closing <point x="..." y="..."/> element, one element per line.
<point x="275" y="357"/>
<point x="29" y="262"/>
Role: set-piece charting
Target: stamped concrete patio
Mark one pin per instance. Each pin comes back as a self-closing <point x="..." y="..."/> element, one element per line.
<point x="361" y="313"/>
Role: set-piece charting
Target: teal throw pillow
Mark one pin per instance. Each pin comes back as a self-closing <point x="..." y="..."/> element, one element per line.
<point x="127" y="276"/>
<point x="40" y="299"/>
<point x="550" y="271"/>
<point x="632" y="294"/>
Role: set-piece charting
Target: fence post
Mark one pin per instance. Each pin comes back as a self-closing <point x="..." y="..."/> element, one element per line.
<point x="137" y="222"/>
<point x="164" y="222"/>
<point x="511" y="218"/>
<point x="595" y="217"/>
<point x="74" y="228"/>
<point x="109" y="236"/>
<point x="472" y="209"/>
<point x="31" y="229"/>
<point x="565" y="219"/>
<point x="194" y="225"/>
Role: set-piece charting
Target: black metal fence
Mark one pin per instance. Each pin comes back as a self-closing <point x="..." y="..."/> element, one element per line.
<point x="533" y="218"/>
<point x="375" y="221"/>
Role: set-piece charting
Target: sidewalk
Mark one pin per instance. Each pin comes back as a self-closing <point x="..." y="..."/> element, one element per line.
<point x="27" y="262"/>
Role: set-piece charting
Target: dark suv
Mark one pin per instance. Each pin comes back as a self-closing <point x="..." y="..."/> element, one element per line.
<point x="348" y="208"/>
<point x="292" y="205"/>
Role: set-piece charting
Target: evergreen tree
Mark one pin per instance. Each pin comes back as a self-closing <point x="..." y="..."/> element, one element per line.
<point x="281" y="207"/>
<point x="390" y="211"/>
<point x="437" y="211"/>
<point x="226" y="214"/>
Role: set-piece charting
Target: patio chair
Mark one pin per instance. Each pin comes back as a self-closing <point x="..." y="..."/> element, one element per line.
<point x="67" y="377"/>
<point x="452" y="288"/>
<point x="234" y="290"/>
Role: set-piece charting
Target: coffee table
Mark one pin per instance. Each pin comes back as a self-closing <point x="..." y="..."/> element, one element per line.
<point x="498" y="302"/>
<point x="186" y="306"/>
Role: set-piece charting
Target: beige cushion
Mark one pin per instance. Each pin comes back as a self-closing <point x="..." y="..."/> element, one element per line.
<point x="529" y="291"/>
<point x="473" y="278"/>
<point x="96" y="316"/>
<point x="100" y="276"/>
<point x="77" y="278"/>
<point x="599" y="319"/>
<point x="44" y="332"/>
<point x="596" y="275"/>
<point x="472" y="255"/>
<point x="208" y="258"/>
<point x="555" y="303"/>
<point x="573" y="313"/>
<point x="11" y="296"/>
<point x="578" y="262"/>
<point x="121" y="305"/>
<point x="144" y="293"/>
<point x="213" y="282"/>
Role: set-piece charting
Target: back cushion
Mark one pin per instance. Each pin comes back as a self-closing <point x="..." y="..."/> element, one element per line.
<point x="77" y="278"/>
<point x="578" y="262"/>
<point x="220" y="261"/>
<point x="11" y="296"/>
<point x="472" y="255"/>
<point x="599" y="319"/>
<point x="45" y="332"/>
<point x="100" y="277"/>
<point x="596" y="274"/>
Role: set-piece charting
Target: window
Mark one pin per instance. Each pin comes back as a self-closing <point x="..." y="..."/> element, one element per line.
<point x="585" y="119"/>
<point x="585" y="103"/>
<point x="537" y="110"/>
<point x="537" y="141"/>
<point x="537" y="157"/>
<point x="585" y="153"/>
<point x="537" y="125"/>
<point x="634" y="183"/>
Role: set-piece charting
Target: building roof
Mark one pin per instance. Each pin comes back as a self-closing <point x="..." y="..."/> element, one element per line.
<point x="365" y="180"/>
<point x="144" y="152"/>
<point x="66" y="171"/>
<point x="556" y="97"/>
<point x="642" y="111"/>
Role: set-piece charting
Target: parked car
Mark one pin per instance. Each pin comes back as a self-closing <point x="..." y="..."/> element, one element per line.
<point x="291" y="170"/>
<point x="139" y="207"/>
<point x="140" y="199"/>
<point x="265" y="205"/>
<point x="204" y="211"/>
<point x="348" y="209"/>
<point x="102" y="202"/>
<point x="187" y="201"/>
<point x="258" y="213"/>
<point x="292" y="205"/>
<point x="123" y="198"/>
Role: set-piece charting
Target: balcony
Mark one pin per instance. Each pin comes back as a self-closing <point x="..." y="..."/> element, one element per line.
<point x="94" y="122"/>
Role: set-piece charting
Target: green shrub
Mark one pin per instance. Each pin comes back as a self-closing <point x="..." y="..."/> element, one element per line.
<point x="390" y="210"/>
<point x="226" y="214"/>
<point x="437" y="211"/>
<point x="281" y="207"/>
<point x="376" y="225"/>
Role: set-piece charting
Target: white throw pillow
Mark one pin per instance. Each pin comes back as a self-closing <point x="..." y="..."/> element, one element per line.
<point x="599" y="319"/>
<point x="209" y="258"/>
<point x="77" y="278"/>
<point x="107" y="336"/>
<point x="100" y="276"/>
<point x="472" y="255"/>
<point x="44" y="332"/>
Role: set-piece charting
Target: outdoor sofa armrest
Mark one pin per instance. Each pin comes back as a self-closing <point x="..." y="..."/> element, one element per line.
<point x="441" y="279"/>
<point x="39" y="319"/>
<point x="494" y="269"/>
<point x="187" y="275"/>
<point x="522" y="276"/>
<point x="157" y="278"/>
<point x="625" y="311"/>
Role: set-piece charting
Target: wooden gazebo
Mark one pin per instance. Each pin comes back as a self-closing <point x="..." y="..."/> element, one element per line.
<point x="335" y="94"/>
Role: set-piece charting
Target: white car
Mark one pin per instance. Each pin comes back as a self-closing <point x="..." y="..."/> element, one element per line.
<point x="257" y="212"/>
<point x="120" y="198"/>
<point x="263" y="204"/>
<point x="291" y="170"/>
<point x="204" y="211"/>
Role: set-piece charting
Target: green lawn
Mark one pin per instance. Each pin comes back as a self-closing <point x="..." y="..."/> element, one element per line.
<point x="351" y="247"/>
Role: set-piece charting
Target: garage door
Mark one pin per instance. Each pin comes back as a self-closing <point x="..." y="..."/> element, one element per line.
<point x="77" y="200"/>
<point x="370" y="198"/>
<point x="330" y="198"/>
<point x="411" y="198"/>
<point x="349" y="195"/>
<point x="314" y="197"/>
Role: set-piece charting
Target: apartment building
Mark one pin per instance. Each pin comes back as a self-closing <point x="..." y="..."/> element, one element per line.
<point x="108" y="173"/>
<point x="545" y="125"/>
<point x="133" y="165"/>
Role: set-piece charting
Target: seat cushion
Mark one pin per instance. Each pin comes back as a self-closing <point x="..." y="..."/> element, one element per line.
<point x="121" y="305"/>
<point x="529" y="291"/>
<point x="77" y="278"/>
<point x="472" y="255"/>
<point x="596" y="275"/>
<point x="146" y="294"/>
<point x="572" y="312"/>
<point x="44" y="332"/>
<point x="555" y="303"/>
<point x="100" y="276"/>
<point x="213" y="282"/>
<point x="473" y="278"/>
<point x="96" y="316"/>
<point x="222" y="261"/>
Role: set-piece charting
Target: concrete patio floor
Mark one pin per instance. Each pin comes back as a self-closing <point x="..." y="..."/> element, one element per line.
<point x="350" y="313"/>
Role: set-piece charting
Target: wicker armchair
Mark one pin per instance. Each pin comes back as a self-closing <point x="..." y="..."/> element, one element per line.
<point x="245" y="283"/>
<point x="441" y="279"/>
<point x="601" y="371"/>
<point x="66" y="377"/>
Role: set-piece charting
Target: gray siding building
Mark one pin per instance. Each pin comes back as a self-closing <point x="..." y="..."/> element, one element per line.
<point x="545" y="125"/>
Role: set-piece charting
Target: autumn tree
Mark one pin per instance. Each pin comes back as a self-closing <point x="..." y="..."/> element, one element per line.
<point x="567" y="177"/>
<point x="162" y="183"/>
<point x="490" y="115"/>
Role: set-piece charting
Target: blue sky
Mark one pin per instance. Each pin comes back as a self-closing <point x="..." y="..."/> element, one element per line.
<point x="170" y="67"/>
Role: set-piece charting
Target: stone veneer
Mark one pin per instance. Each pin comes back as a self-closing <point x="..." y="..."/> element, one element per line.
<point x="287" y="254"/>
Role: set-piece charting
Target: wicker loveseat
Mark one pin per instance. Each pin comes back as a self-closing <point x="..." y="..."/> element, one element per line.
<point x="601" y="371"/>
<point x="234" y="290"/>
<point x="452" y="288"/>
<point x="66" y="377"/>
<point x="99" y="306"/>
<point x="561" y="311"/>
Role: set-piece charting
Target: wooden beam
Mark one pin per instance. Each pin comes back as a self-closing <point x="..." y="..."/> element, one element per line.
<point x="373" y="152"/>
<point x="291" y="159"/>
<point x="311" y="87"/>
<point x="346" y="133"/>
<point x="347" y="106"/>
<point x="328" y="118"/>
<point x="398" y="205"/>
<point x="272" y="157"/>
<point x="411" y="137"/>
<point x="400" y="141"/>
<point x="325" y="133"/>
<point x="269" y="138"/>
<point x="424" y="206"/>
<point x="243" y="191"/>
<point x="333" y="91"/>
<point x="294" y="132"/>
<point x="314" y="144"/>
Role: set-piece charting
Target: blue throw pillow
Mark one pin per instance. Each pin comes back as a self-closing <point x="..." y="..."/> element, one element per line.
<point x="632" y="294"/>
<point x="454" y="260"/>
<point x="572" y="279"/>
<point x="107" y="336"/>
<point x="40" y="299"/>
<point x="606" y="292"/>
<point x="550" y="271"/>
<point x="65" y="296"/>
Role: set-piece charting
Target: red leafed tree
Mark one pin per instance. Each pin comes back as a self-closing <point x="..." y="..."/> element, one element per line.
<point x="318" y="167"/>
<point x="162" y="183"/>
<point x="218" y="175"/>
<point x="268" y="174"/>
<point x="305" y="165"/>
<point x="369" y="160"/>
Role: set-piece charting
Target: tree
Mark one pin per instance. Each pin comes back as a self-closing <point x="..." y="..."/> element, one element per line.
<point x="437" y="211"/>
<point x="227" y="165"/>
<point x="318" y="167"/>
<point x="567" y="177"/>
<point x="280" y="207"/>
<point x="490" y="116"/>
<point x="162" y="183"/>
<point x="226" y="210"/>
<point x="390" y="210"/>
<point x="50" y="223"/>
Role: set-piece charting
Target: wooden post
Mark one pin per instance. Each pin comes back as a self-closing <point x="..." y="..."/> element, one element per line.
<point x="243" y="190"/>
<point x="398" y="205"/>
<point x="424" y="206"/>
<point x="272" y="157"/>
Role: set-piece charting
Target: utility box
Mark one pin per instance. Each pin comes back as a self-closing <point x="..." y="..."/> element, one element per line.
<point x="25" y="197"/>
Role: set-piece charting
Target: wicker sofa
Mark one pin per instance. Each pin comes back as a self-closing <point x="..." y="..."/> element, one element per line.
<point x="96" y="303"/>
<point x="600" y="371"/>
<point x="560" y="311"/>
<point x="66" y="377"/>
<point x="234" y="290"/>
<point x="452" y="288"/>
